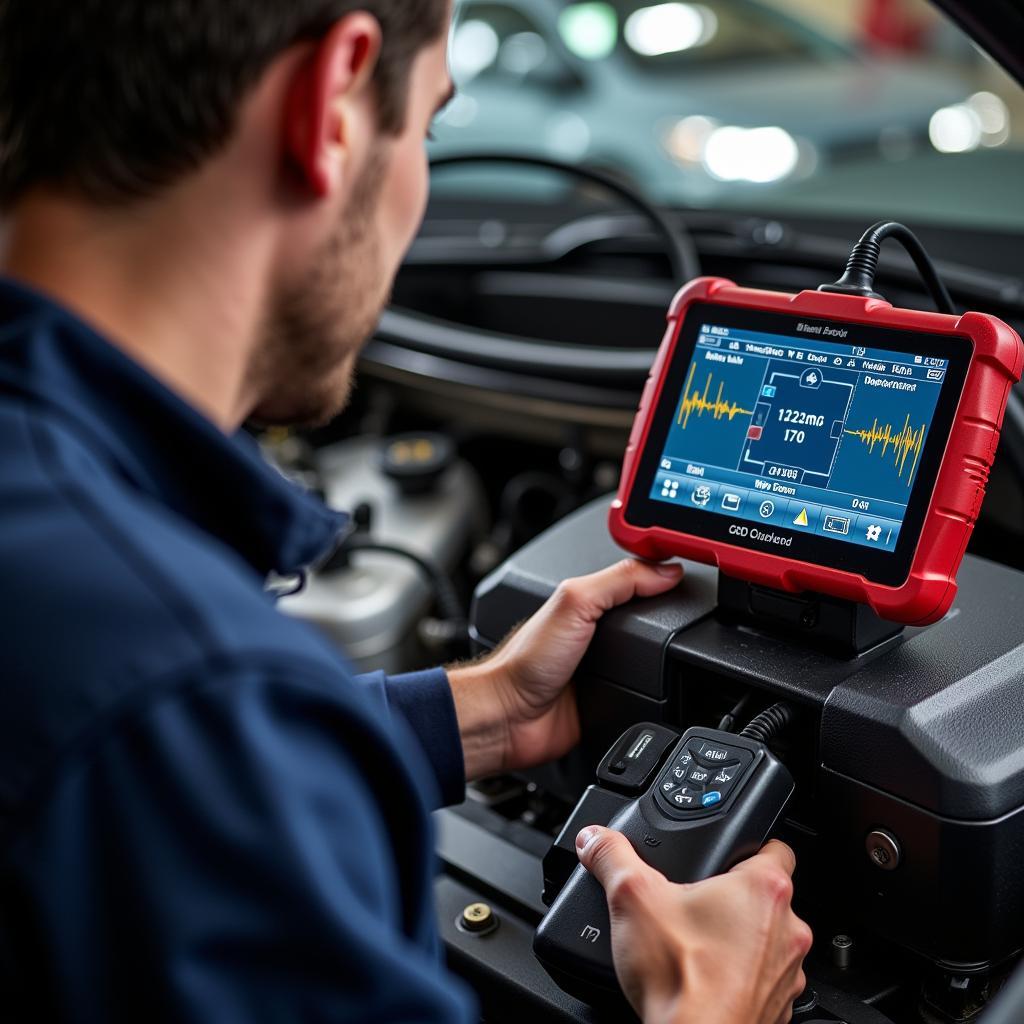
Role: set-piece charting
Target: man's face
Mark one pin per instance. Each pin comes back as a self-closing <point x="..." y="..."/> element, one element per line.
<point x="318" y="319"/>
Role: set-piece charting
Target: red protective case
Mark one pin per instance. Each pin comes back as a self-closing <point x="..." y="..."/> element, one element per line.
<point x="929" y="589"/>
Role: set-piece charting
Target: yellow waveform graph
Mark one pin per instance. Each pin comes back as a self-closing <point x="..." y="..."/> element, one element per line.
<point x="694" y="401"/>
<point x="905" y="442"/>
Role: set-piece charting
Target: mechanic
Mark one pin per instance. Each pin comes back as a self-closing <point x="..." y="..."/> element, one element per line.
<point x="204" y="816"/>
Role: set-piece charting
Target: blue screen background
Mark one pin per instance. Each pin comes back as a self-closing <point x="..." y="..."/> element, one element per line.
<point x="804" y="433"/>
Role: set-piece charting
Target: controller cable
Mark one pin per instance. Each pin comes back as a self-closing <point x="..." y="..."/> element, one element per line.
<point x="859" y="279"/>
<point x="769" y="723"/>
<point x="859" y="276"/>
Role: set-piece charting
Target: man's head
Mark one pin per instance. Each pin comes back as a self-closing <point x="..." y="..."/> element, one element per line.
<point x="318" y="109"/>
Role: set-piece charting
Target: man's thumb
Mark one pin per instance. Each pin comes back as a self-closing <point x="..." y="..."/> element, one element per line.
<point x="607" y="855"/>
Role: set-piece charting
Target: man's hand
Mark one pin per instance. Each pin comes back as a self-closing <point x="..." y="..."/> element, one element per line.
<point x="516" y="708"/>
<point x="727" y="950"/>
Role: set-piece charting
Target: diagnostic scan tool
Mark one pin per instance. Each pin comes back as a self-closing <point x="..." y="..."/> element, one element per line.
<point x="818" y="442"/>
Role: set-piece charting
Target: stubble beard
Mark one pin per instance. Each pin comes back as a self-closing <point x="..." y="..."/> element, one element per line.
<point x="303" y="367"/>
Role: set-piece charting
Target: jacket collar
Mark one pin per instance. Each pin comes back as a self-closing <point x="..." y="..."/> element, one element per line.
<point x="155" y="440"/>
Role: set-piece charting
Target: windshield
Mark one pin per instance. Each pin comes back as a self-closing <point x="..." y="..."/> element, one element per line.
<point x="867" y="107"/>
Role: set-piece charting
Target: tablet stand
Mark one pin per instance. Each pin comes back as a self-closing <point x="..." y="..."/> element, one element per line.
<point x="843" y="628"/>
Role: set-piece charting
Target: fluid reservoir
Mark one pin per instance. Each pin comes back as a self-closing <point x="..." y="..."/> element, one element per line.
<point x="421" y="497"/>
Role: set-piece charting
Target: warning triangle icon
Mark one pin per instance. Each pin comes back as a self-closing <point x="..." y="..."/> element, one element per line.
<point x="801" y="520"/>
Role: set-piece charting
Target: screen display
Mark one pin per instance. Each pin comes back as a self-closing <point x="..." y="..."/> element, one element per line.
<point x="803" y="428"/>
<point x="807" y="434"/>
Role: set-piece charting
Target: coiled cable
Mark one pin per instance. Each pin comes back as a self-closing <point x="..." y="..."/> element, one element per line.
<point x="769" y="723"/>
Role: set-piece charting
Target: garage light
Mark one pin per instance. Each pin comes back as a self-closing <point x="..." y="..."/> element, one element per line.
<point x="687" y="138"/>
<point x="474" y="48"/>
<point x="955" y="129"/>
<point x="758" y="155"/>
<point x="523" y="53"/>
<point x="589" y="29"/>
<point x="669" y="28"/>
<point x="993" y="116"/>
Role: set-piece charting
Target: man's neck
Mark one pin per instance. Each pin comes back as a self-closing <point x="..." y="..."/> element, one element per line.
<point x="178" y="293"/>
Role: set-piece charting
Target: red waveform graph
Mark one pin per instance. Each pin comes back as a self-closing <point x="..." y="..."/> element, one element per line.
<point x="903" y="444"/>
<point x="696" y="402"/>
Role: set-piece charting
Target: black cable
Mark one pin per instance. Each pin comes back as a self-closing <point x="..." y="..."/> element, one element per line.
<point x="448" y="604"/>
<point x="682" y="252"/>
<point x="767" y="725"/>
<point x="729" y="719"/>
<point x="859" y="276"/>
<point x="859" y="279"/>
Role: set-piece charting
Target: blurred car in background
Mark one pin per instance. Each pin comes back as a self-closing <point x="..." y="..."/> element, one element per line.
<point x="701" y="103"/>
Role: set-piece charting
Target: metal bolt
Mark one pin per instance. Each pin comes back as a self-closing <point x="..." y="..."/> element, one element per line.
<point x="842" y="951"/>
<point x="884" y="850"/>
<point x="478" y="917"/>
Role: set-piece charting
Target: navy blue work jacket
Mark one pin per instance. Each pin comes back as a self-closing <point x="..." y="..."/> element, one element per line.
<point x="204" y="816"/>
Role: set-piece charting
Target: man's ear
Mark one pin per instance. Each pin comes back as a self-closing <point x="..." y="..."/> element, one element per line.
<point x="338" y="71"/>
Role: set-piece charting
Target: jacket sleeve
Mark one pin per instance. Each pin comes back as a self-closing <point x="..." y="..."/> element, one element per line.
<point x="424" y="701"/>
<point x="239" y="849"/>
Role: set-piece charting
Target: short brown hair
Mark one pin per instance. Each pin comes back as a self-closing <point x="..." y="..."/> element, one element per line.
<point x="116" y="99"/>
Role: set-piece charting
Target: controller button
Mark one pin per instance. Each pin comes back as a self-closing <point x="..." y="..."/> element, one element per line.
<point x="717" y="754"/>
<point x="698" y="776"/>
<point x="713" y="756"/>
<point x="684" y="798"/>
<point x="711" y="798"/>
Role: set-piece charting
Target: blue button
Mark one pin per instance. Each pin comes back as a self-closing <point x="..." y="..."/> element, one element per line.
<point x="803" y="516"/>
<point x="711" y="798"/>
<point x="873" y="532"/>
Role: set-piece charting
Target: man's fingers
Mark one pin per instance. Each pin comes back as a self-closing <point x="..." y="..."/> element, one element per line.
<point x="774" y="853"/>
<point x="621" y="582"/>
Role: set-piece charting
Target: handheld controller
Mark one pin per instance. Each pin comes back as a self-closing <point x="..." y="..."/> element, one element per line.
<point x="714" y="802"/>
